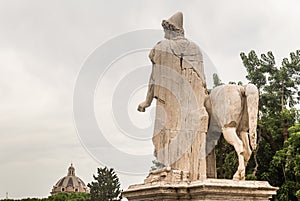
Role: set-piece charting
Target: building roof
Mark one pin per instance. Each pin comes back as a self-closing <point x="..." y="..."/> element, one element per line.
<point x="69" y="183"/>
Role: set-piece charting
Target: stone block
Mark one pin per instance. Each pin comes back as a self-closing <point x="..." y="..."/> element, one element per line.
<point x="208" y="190"/>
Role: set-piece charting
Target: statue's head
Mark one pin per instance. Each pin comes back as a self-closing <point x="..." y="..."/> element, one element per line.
<point x="173" y="26"/>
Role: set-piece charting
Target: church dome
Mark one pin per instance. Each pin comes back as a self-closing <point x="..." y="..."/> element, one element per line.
<point x="69" y="183"/>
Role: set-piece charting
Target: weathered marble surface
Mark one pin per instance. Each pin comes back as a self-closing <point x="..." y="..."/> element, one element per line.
<point x="178" y="83"/>
<point x="167" y="175"/>
<point x="209" y="190"/>
<point x="233" y="110"/>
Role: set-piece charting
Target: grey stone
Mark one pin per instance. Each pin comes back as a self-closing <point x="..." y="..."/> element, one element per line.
<point x="209" y="190"/>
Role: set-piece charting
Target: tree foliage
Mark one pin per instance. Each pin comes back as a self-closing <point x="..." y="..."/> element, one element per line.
<point x="106" y="186"/>
<point x="277" y="156"/>
<point x="286" y="166"/>
<point x="156" y="165"/>
<point x="59" y="197"/>
<point x="70" y="197"/>
<point x="278" y="90"/>
<point x="217" y="81"/>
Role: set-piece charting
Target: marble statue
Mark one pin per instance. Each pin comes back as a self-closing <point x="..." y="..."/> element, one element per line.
<point x="188" y="124"/>
<point x="178" y="84"/>
<point x="233" y="111"/>
<point x="187" y="117"/>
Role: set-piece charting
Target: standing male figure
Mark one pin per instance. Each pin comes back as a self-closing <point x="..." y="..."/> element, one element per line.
<point x="178" y="83"/>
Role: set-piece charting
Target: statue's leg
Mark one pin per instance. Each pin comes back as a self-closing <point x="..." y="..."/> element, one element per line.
<point x="204" y="120"/>
<point x="159" y="151"/>
<point x="202" y="158"/>
<point x="247" y="151"/>
<point x="231" y="137"/>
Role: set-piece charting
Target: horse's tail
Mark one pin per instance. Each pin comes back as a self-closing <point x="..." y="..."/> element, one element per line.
<point x="252" y="98"/>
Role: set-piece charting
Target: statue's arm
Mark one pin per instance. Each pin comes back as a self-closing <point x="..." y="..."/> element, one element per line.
<point x="150" y="95"/>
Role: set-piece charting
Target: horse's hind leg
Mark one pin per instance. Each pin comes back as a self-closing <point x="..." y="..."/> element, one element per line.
<point x="247" y="151"/>
<point x="231" y="137"/>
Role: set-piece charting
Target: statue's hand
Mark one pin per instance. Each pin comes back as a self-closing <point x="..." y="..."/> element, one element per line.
<point x="142" y="107"/>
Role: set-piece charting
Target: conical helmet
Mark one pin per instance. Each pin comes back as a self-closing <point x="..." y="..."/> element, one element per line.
<point x="175" y="22"/>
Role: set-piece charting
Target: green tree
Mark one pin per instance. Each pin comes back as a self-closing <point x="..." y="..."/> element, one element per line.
<point x="278" y="90"/>
<point x="106" y="187"/>
<point x="286" y="166"/>
<point x="156" y="165"/>
<point x="63" y="196"/>
<point x="59" y="197"/>
<point x="217" y="81"/>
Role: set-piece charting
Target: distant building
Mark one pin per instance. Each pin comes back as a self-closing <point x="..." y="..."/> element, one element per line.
<point x="69" y="183"/>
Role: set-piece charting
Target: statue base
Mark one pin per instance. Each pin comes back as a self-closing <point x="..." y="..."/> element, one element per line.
<point x="208" y="189"/>
<point x="168" y="175"/>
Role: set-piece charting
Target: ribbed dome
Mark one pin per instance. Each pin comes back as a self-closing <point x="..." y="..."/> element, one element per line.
<point x="70" y="183"/>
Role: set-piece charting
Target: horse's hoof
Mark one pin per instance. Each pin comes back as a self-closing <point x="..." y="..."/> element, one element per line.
<point x="239" y="175"/>
<point x="236" y="177"/>
<point x="242" y="177"/>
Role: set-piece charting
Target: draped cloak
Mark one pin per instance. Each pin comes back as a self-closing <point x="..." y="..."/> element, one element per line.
<point x="180" y="89"/>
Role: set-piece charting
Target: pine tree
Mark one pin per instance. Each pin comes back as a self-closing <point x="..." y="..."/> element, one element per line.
<point x="106" y="187"/>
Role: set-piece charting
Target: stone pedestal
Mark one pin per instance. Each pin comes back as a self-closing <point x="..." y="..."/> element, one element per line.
<point x="209" y="189"/>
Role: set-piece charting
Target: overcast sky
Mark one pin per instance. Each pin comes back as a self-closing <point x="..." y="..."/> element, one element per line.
<point x="44" y="44"/>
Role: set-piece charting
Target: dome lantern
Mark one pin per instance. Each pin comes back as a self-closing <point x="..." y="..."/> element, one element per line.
<point x="71" y="170"/>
